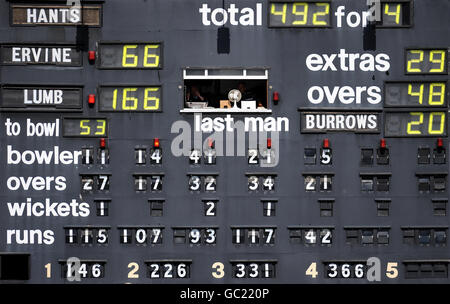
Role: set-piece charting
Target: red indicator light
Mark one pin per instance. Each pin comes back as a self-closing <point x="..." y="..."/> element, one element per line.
<point x="91" y="99"/>
<point x="210" y="143"/>
<point x="440" y="143"/>
<point x="92" y="55"/>
<point x="276" y="97"/>
<point x="326" y="143"/>
<point x="383" y="143"/>
<point x="156" y="142"/>
<point x="269" y="143"/>
<point x="102" y="143"/>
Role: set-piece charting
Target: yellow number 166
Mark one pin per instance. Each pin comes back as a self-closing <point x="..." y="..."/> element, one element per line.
<point x="130" y="103"/>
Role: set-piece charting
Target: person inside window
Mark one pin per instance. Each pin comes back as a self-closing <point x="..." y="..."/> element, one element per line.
<point x="246" y="94"/>
<point x="194" y="95"/>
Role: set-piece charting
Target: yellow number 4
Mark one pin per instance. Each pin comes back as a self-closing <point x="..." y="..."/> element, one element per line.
<point x="416" y="94"/>
<point x="312" y="270"/>
<point x="396" y="13"/>
<point x="273" y="11"/>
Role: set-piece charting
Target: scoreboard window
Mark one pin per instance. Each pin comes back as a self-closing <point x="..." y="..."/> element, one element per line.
<point x="212" y="90"/>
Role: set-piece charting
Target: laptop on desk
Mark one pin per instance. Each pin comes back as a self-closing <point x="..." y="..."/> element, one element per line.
<point x="248" y="104"/>
<point x="196" y="105"/>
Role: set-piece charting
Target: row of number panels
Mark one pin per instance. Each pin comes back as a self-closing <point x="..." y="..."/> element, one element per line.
<point x="269" y="207"/>
<point x="369" y="156"/>
<point x="142" y="55"/>
<point x="266" y="182"/>
<point x="371" y="269"/>
<point x="427" y="236"/>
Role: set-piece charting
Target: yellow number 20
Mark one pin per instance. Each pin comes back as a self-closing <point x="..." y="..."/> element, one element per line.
<point x="431" y="118"/>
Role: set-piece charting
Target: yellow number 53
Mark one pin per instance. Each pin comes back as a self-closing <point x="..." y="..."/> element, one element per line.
<point x="86" y="129"/>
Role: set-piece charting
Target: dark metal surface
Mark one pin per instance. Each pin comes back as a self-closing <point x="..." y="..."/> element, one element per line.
<point x="187" y="43"/>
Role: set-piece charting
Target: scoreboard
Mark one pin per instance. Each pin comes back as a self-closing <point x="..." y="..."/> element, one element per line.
<point x="224" y="142"/>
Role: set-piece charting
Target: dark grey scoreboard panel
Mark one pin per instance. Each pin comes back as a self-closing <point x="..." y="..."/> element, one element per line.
<point x="115" y="166"/>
